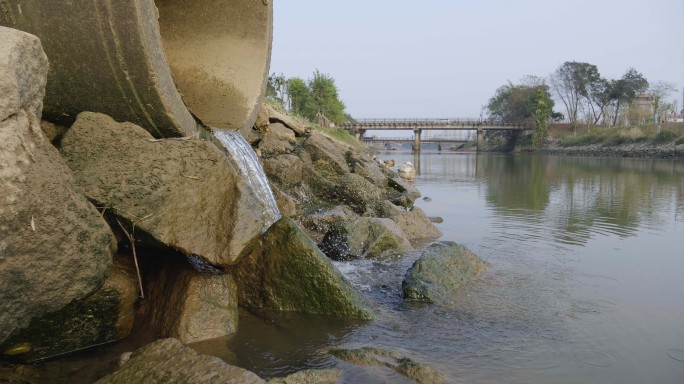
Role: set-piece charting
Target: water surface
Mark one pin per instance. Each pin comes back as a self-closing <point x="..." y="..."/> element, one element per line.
<point x="586" y="280"/>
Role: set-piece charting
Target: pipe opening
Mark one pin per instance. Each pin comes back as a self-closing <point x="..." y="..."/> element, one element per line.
<point x="219" y="54"/>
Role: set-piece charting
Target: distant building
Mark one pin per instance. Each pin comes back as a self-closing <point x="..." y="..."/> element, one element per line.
<point x="644" y="101"/>
<point x="673" y="118"/>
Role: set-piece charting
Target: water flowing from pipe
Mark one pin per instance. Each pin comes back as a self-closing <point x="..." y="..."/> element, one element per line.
<point x="242" y="155"/>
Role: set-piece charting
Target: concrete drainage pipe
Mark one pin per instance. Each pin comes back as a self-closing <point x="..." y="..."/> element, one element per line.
<point x="154" y="63"/>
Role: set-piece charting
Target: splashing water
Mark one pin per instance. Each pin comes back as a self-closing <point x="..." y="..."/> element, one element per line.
<point x="242" y="155"/>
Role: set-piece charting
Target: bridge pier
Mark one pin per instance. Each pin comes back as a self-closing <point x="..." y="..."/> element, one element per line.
<point x="480" y="139"/>
<point x="416" y="139"/>
<point x="360" y="133"/>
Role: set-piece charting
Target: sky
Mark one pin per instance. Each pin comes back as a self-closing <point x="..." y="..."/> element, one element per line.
<point x="446" y="58"/>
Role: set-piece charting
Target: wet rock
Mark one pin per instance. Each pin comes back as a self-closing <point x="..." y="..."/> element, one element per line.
<point x="413" y="222"/>
<point x="104" y="316"/>
<point x="286" y="204"/>
<point x="364" y="237"/>
<point x="54" y="245"/>
<point x="183" y="303"/>
<point x="182" y="194"/>
<point x="168" y="361"/>
<point x="370" y="357"/>
<point x="284" y="170"/>
<point x="441" y="269"/>
<point x="287" y="272"/>
<point x="436" y="219"/>
<point x="319" y="223"/>
<point x="310" y="376"/>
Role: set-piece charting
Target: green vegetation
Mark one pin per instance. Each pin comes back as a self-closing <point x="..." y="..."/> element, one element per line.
<point x="526" y="103"/>
<point x="609" y="136"/>
<point x="316" y="99"/>
<point x="580" y="87"/>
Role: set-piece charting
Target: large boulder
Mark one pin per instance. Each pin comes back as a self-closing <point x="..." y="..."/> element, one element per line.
<point x="102" y="317"/>
<point x="182" y="303"/>
<point x="364" y="237"/>
<point x="441" y="269"/>
<point x="289" y="273"/>
<point x="181" y="194"/>
<point x="54" y="245"/>
<point x="168" y="361"/>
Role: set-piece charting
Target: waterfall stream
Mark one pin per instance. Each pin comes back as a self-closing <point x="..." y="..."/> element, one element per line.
<point x="242" y="155"/>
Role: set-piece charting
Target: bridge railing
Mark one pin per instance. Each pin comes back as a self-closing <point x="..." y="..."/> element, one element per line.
<point x="428" y="122"/>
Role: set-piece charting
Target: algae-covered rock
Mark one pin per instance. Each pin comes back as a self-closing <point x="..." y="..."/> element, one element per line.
<point x="182" y="194"/>
<point x="310" y="376"/>
<point x="441" y="269"/>
<point x="168" y="361"/>
<point x="364" y="237"/>
<point x="369" y="357"/>
<point x="289" y="273"/>
<point x="105" y="316"/>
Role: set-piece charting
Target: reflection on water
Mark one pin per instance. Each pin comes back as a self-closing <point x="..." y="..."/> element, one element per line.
<point x="585" y="283"/>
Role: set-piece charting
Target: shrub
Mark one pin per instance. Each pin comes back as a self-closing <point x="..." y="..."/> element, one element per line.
<point x="664" y="136"/>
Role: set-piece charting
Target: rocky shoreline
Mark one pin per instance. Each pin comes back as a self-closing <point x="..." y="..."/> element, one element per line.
<point x="670" y="150"/>
<point x="108" y="231"/>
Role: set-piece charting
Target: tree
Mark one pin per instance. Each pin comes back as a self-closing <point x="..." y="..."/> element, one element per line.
<point x="571" y="83"/>
<point x="324" y="99"/>
<point x="276" y="88"/>
<point x="598" y="98"/>
<point x="660" y="91"/>
<point x="624" y="90"/>
<point x="317" y="95"/>
<point x="298" y="95"/>
<point x="527" y="103"/>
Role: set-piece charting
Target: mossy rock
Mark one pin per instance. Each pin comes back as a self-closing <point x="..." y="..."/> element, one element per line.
<point x="440" y="271"/>
<point x="288" y="272"/>
<point x="102" y="317"/>
<point x="370" y="357"/>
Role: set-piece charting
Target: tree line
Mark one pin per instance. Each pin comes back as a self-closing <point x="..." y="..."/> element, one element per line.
<point x="586" y="96"/>
<point x="316" y="99"/>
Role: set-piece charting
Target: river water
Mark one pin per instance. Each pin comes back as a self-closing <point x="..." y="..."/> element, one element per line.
<point x="585" y="284"/>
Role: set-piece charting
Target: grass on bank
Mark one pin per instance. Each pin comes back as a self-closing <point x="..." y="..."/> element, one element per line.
<point x="338" y="134"/>
<point x="609" y="136"/>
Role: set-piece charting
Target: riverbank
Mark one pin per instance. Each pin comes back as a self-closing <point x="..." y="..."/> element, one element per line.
<point x="647" y="141"/>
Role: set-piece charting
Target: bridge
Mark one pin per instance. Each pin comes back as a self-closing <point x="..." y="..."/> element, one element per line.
<point x="405" y="140"/>
<point x="360" y="126"/>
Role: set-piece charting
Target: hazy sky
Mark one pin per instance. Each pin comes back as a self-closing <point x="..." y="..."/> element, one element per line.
<point x="445" y="58"/>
